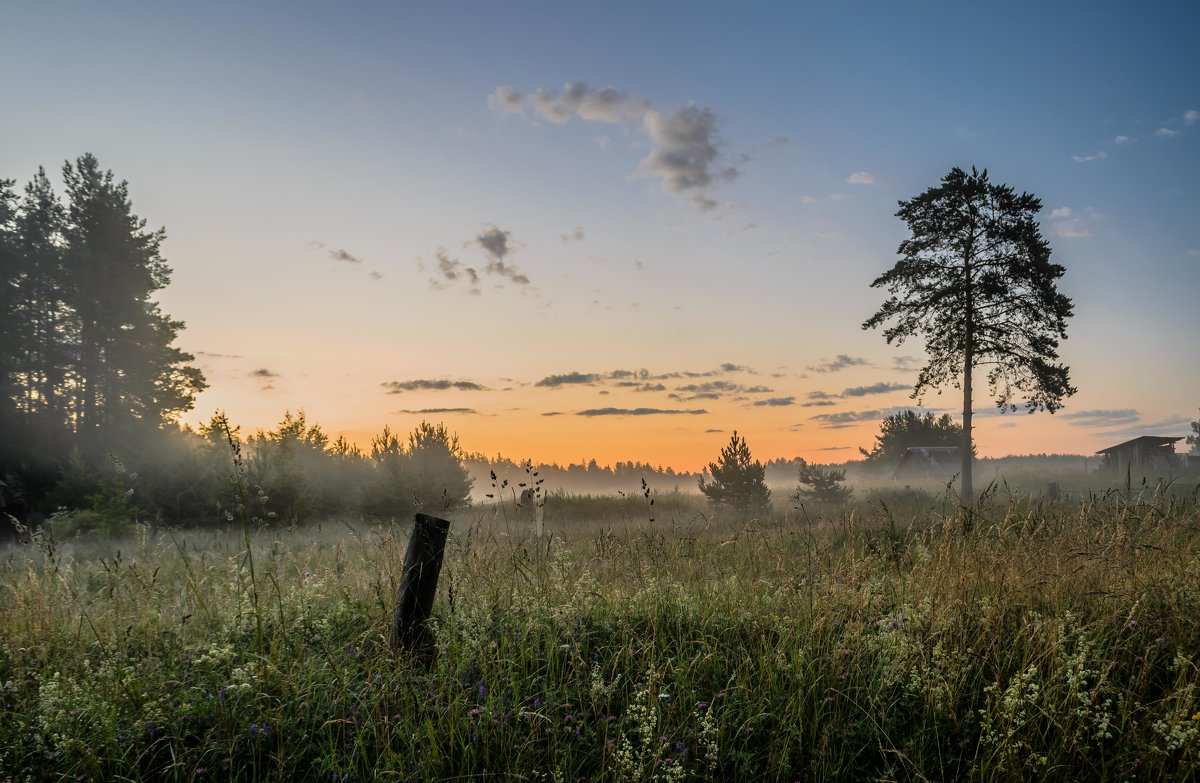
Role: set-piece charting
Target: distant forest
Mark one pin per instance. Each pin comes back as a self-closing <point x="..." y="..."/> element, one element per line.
<point x="92" y="387"/>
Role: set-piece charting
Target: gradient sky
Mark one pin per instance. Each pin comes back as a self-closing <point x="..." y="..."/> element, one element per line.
<point x="373" y="214"/>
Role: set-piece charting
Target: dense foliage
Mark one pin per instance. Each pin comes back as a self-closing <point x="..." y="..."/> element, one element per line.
<point x="87" y="357"/>
<point x="909" y="429"/>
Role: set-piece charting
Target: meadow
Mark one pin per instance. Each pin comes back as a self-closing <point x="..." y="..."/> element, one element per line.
<point x="895" y="639"/>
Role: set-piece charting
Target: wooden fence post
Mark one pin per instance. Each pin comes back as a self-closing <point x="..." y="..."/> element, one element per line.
<point x="418" y="584"/>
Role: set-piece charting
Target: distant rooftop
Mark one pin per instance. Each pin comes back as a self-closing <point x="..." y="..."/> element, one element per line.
<point x="1151" y="441"/>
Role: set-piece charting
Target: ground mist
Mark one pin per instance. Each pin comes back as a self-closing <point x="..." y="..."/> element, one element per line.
<point x="1028" y="641"/>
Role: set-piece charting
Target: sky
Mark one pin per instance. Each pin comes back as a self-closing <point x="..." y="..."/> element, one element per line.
<point x="623" y="230"/>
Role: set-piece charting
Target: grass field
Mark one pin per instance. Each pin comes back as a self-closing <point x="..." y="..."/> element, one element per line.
<point x="902" y="641"/>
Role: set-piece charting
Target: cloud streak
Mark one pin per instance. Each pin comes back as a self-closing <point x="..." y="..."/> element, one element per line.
<point x="568" y="379"/>
<point x="1102" y="417"/>
<point x="640" y="412"/>
<point x="441" y="384"/>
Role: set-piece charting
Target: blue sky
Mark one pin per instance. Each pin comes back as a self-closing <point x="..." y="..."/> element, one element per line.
<point x="328" y="172"/>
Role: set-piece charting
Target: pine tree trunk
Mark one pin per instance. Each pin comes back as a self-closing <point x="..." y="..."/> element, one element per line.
<point x="968" y="490"/>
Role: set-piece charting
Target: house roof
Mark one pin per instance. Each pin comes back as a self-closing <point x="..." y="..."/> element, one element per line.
<point x="931" y="459"/>
<point x="1152" y="441"/>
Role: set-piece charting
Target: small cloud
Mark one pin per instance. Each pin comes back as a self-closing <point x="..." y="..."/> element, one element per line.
<point x="712" y="431"/>
<point x="825" y="234"/>
<point x="342" y="255"/>
<point x="1167" y="133"/>
<point x="1191" y="116"/>
<point x="266" y="376"/>
<point x="375" y="274"/>
<point x="497" y="243"/>
<point x="213" y="355"/>
<point x="1123" y="140"/>
<point x="905" y="363"/>
<point x="441" y="384"/>
<point x="1061" y="212"/>
<point x="775" y="402"/>
<point x="640" y="412"/>
<point x="574" y="236"/>
<point x="817" y="404"/>
<point x="427" y="411"/>
<point x="553" y="413"/>
<point x="568" y="379"/>
<point x="1073" y="228"/>
<point x="876" y="388"/>
<point x="862" y="178"/>
<point x="833" y="448"/>
<point x="840" y="362"/>
<point x="1101" y="155"/>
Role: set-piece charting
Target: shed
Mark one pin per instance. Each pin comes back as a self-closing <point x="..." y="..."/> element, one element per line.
<point x="928" y="462"/>
<point x="1148" y="451"/>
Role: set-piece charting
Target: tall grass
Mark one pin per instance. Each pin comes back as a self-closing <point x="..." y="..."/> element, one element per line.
<point x="1050" y="641"/>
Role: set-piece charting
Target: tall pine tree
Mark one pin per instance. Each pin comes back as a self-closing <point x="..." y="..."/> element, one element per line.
<point x="127" y="370"/>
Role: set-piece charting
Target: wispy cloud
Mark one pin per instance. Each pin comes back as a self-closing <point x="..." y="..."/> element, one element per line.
<point x="1098" y="155"/>
<point x="342" y="255"/>
<point x="450" y="270"/>
<point x="1068" y="223"/>
<point x="806" y="199"/>
<point x="775" y="402"/>
<point x="862" y="178"/>
<point x="441" y="384"/>
<point x="1170" y="427"/>
<point x="430" y="411"/>
<point x="573" y="236"/>
<point x="840" y="362"/>
<point x="684" y="154"/>
<point x="213" y="355"/>
<point x="1167" y="133"/>
<point x="1123" y="139"/>
<point x="1102" y="417"/>
<point x="640" y="412"/>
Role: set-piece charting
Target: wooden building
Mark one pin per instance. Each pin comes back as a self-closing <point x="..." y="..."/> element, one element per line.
<point x="1146" y="452"/>
<point x="941" y="462"/>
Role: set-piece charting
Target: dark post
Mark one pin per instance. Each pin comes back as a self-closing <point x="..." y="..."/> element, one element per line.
<point x="418" y="584"/>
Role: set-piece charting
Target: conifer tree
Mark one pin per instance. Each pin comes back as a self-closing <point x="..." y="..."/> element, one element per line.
<point x="975" y="281"/>
<point x="738" y="482"/>
<point x="126" y="367"/>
